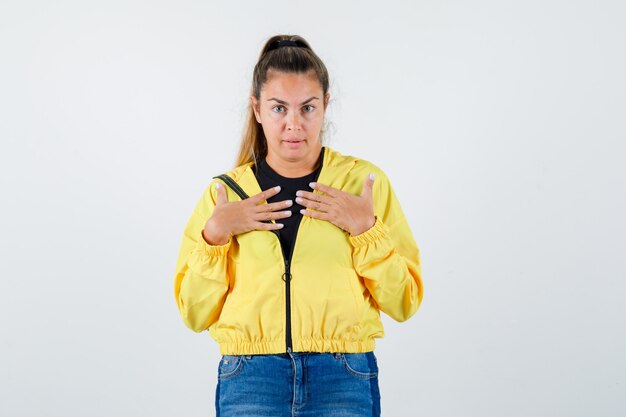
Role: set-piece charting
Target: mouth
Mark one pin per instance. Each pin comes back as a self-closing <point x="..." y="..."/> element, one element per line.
<point x="294" y="143"/>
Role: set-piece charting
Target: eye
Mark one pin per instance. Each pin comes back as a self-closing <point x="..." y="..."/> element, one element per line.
<point x="310" y="107"/>
<point x="278" y="107"/>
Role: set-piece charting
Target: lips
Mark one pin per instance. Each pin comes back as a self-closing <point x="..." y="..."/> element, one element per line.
<point x="293" y="143"/>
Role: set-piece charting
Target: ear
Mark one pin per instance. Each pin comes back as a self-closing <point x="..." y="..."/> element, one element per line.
<point x="326" y="100"/>
<point x="254" y="104"/>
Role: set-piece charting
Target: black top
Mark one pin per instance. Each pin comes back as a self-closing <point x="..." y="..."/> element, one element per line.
<point x="268" y="178"/>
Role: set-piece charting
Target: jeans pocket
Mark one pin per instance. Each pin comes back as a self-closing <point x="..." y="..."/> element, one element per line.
<point x="360" y="365"/>
<point x="230" y="366"/>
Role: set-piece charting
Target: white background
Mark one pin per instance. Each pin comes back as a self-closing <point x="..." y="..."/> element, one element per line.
<point x="499" y="123"/>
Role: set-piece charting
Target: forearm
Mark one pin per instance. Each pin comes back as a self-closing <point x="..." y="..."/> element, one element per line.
<point x="391" y="271"/>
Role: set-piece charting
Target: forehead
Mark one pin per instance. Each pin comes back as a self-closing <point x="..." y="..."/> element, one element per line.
<point x="295" y="85"/>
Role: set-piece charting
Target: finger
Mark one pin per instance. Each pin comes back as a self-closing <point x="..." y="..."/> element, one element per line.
<point x="312" y="197"/>
<point x="315" y="205"/>
<point x="268" y="226"/>
<point x="264" y="195"/>
<point x="222" y="198"/>
<point x="333" y="192"/>
<point x="279" y="205"/>
<point x="274" y="215"/>
<point x="315" y="214"/>
<point x="366" y="192"/>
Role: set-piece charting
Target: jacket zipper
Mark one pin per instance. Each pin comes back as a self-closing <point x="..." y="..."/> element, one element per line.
<point x="287" y="278"/>
<point x="287" y="274"/>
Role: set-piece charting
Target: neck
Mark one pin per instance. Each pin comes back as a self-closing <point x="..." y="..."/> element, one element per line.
<point x="294" y="169"/>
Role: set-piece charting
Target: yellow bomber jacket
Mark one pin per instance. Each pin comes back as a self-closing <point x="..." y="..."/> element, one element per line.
<point x="329" y="296"/>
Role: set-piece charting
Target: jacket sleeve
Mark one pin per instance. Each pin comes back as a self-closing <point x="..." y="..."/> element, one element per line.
<point x="201" y="279"/>
<point x="387" y="258"/>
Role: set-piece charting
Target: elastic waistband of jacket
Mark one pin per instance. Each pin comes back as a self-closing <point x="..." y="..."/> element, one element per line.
<point x="299" y="345"/>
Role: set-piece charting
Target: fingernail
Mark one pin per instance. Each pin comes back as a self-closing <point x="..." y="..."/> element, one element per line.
<point x="277" y="188"/>
<point x="287" y="212"/>
<point x="312" y="184"/>
<point x="302" y="211"/>
<point x="280" y="225"/>
<point x="298" y="200"/>
<point x="217" y="186"/>
<point x="288" y="203"/>
<point x="299" y="193"/>
<point x="372" y="177"/>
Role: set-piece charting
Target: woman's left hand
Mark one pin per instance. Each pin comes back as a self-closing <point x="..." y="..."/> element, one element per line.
<point x="352" y="213"/>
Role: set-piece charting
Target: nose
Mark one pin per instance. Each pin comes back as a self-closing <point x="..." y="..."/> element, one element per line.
<point x="294" y="121"/>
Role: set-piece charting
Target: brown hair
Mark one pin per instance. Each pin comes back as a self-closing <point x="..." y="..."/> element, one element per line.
<point x="290" y="59"/>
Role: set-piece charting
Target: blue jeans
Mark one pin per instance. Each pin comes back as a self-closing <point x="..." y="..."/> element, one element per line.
<point x="298" y="384"/>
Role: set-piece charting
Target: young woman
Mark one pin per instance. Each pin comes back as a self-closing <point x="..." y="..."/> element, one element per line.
<point x="289" y="258"/>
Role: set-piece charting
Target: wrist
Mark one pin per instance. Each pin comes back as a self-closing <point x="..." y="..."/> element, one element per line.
<point x="215" y="237"/>
<point x="364" y="227"/>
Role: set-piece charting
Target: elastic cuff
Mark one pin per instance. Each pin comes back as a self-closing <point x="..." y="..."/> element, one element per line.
<point x="212" y="250"/>
<point x="377" y="231"/>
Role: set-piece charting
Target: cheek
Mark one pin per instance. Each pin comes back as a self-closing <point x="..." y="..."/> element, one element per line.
<point x="273" y="120"/>
<point x="314" y="122"/>
<point x="272" y="128"/>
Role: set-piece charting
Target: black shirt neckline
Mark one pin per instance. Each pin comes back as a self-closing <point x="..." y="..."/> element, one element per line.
<point x="267" y="170"/>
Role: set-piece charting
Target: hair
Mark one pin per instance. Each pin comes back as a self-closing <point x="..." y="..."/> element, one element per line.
<point x="288" y="59"/>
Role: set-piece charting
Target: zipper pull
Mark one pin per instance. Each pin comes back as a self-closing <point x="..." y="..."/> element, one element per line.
<point x="287" y="275"/>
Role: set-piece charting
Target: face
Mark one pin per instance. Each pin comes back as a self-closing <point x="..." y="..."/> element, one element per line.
<point x="291" y="110"/>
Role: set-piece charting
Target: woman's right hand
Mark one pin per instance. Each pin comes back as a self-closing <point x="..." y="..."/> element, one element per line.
<point x="233" y="218"/>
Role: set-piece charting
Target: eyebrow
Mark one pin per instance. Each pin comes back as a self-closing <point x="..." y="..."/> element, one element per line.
<point x="284" y="102"/>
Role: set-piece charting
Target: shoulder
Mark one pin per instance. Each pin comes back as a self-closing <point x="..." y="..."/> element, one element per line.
<point x="210" y="192"/>
<point x="354" y="165"/>
<point x="235" y="173"/>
